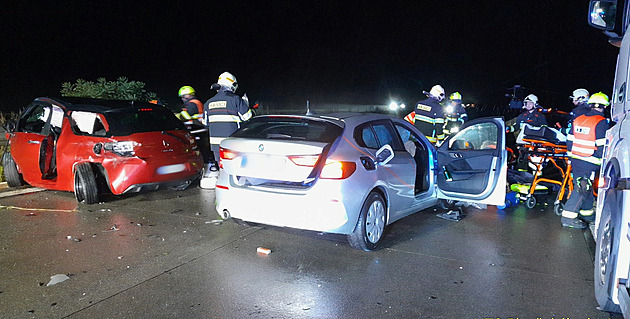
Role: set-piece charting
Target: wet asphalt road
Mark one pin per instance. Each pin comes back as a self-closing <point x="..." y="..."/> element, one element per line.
<point x="166" y="259"/>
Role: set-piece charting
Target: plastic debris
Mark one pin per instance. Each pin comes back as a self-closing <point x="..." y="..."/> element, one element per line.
<point x="121" y="257"/>
<point x="263" y="250"/>
<point x="57" y="279"/>
<point x="71" y="238"/>
<point x="215" y="222"/>
<point x="113" y="228"/>
<point x="452" y="215"/>
<point x="105" y="210"/>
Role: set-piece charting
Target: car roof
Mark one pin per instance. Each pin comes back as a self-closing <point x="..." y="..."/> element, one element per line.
<point x="340" y="119"/>
<point x="93" y="105"/>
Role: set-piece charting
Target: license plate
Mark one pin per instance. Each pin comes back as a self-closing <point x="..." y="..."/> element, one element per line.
<point x="262" y="162"/>
<point x="170" y="169"/>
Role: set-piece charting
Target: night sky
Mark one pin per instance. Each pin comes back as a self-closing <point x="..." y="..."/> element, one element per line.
<point x="283" y="53"/>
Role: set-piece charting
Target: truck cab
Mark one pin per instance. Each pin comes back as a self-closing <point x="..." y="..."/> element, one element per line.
<point x="612" y="255"/>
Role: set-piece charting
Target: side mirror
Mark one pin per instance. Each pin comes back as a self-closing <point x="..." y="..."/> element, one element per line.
<point x="384" y="154"/>
<point x="10" y="127"/>
<point x="602" y="14"/>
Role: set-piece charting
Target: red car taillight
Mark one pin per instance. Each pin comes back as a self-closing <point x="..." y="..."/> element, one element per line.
<point x="226" y="154"/>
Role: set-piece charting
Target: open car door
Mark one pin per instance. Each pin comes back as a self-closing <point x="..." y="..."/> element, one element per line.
<point x="472" y="164"/>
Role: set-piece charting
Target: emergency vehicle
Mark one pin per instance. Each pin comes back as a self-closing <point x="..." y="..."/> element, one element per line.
<point x="612" y="255"/>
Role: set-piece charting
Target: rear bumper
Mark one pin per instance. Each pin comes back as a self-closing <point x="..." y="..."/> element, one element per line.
<point x="320" y="208"/>
<point x="183" y="183"/>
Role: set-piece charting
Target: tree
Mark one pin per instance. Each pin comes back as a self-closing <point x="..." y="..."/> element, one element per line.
<point x="121" y="89"/>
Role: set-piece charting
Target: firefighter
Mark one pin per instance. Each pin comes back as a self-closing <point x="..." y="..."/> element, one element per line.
<point x="580" y="100"/>
<point x="585" y="145"/>
<point x="531" y="115"/>
<point x="192" y="108"/>
<point x="430" y="117"/>
<point x="192" y="116"/>
<point x="454" y="114"/>
<point x="223" y="113"/>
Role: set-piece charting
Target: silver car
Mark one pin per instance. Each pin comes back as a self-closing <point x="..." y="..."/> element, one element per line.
<point x="354" y="174"/>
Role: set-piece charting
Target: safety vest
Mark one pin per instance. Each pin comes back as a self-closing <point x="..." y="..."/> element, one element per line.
<point x="584" y="138"/>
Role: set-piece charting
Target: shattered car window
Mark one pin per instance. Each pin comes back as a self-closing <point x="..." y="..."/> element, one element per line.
<point x="475" y="137"/>
<point x="126" y="121"/>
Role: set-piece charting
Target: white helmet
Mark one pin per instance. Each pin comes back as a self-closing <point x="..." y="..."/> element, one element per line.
<point x="437" y="91"/>
<point x="580" y="95"/>
<point x="227" y="80"/>
<point x="532" y="98"/>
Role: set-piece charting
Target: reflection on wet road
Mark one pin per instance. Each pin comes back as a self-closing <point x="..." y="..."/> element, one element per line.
<point x="161" y="255"/>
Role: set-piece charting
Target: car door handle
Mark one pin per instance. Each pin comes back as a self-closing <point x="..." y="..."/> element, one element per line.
<point x="33" y="142"/>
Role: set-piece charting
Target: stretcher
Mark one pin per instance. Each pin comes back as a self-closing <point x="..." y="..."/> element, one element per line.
<point x="543" y="146"/>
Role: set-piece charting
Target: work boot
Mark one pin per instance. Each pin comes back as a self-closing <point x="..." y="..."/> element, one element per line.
<point x="573" y="223"/>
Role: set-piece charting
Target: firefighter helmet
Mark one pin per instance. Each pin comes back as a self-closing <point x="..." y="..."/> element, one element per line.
<point x="437" y="91"/>
<point x="227" y="80"/>
<point x="580" y="95"/>
<point x="532" y="98"/>
<point x="598" y="98"/>
<point x="455" y="97"/>
<point x="186" y="90"/>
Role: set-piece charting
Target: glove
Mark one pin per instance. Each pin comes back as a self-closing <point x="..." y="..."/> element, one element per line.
<point x="584" y="185"/>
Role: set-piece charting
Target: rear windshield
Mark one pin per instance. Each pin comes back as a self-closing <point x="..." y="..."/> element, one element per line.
<point x="126" y="121"/>
<point x="282" y="128"/>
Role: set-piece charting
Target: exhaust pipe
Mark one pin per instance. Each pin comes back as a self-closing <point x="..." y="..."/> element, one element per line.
<point x="226" y="214"/>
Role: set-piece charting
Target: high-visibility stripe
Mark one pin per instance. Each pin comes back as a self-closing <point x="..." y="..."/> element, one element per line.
<point x="431" y="139"/>
<point x="578" y="150"/>
<point x="586" y="212"/>
<point x="584" y="143"/>
<point x="425" y="118"/>
<point x="185" y="115"/>
<point x="570" y="137"/>
<point x="216" y="140"/>
<point x="223" y="118"/>
<point x="439" y="120"/>
<point x="600" y="142"/>
<point x="247" y="115"/>
<point x="568" y="214"/>
<point x="590" y="159"/>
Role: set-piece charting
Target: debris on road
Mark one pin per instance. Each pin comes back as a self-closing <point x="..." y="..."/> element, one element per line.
<point x="105" y="210"/>
<point x="215" y="222"/>
<point x="57" y="279"/>
<point x="263" y="250"/>
<point x="177" y="211"/>
<point x="71" y="238"/>
<point x="113" y="228"/>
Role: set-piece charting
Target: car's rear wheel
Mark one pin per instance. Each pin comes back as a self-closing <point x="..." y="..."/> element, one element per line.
<point x="370" y="225"/>
<point x="606" y="251"/>
<point x="14" y="178"/>
<point x="85" y="187"/>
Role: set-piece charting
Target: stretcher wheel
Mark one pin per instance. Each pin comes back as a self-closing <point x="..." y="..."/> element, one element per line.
<point x="530" y="202"/>
<point x="558" y="208"/>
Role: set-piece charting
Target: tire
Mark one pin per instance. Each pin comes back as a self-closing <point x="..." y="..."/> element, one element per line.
<point x="14" y="178"/>
<point x="85" y="187"/>
<point x="558" y="208"/>
<point x="606" y="250"/>
<point x="371" y="223"/>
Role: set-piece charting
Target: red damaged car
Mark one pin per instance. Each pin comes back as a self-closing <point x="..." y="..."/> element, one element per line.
<point x="92" y="147"/>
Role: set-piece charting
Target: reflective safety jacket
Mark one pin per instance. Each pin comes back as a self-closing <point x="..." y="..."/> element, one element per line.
<point x="192" y="110"/>
<point x="586" y="140"/>
<point x="430" y="119"/>
<point x="224" y="113"/>
<point x="533" y="118"/>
